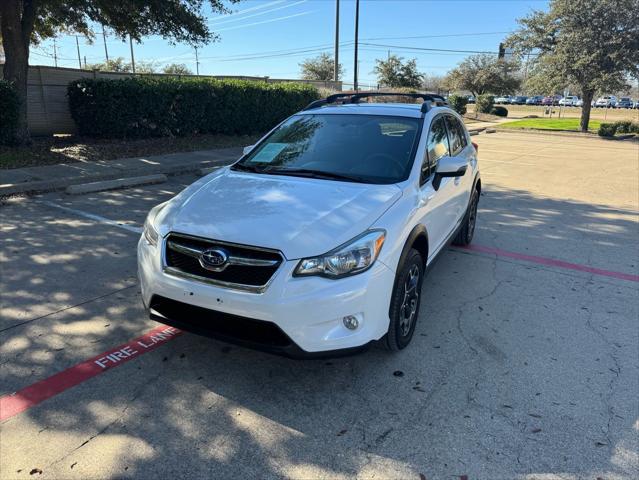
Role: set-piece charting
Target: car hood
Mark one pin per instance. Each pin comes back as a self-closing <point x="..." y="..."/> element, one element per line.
<point x="301" y="217"/>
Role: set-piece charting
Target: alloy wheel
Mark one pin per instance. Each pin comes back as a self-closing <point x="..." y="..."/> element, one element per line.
<point x="408" y="309"/>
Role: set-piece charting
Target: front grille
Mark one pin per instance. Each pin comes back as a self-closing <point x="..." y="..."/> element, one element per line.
<point x="212" y="323"/>
<point x="235" y="275"/>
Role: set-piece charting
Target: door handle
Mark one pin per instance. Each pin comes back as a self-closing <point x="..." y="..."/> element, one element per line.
<point x="457" y="180"/>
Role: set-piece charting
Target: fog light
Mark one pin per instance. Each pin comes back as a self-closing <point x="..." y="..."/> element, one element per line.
<point x="350" y="322"/>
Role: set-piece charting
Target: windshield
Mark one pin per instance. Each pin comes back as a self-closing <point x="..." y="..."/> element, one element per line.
<point x="356" y="148"/>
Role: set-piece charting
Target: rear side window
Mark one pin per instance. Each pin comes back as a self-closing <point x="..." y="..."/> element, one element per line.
<point x="436" y="148"/>
<point x="456" y="134"/>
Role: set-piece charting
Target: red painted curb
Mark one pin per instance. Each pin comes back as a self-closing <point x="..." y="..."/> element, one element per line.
<point x="551" y="262"/>
<point x="32" y="395"/>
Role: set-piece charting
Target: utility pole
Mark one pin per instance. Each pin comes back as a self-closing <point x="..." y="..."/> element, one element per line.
<point x="85" y="62"/>
<point x="77" y="44"/>
<point x="336" y="70"/>
<point x="355" y="63"/>
<point x="132" y="57"/>
<point x="197" y="63"/>
<point x="55" y="53"/>
<point x="106" y="52"/>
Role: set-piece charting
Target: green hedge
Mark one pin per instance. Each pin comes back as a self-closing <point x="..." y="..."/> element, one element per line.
<point x="484" y="103"/>
<point x="9" y="106"/>
<point x="458" y="103"/>
<point x="499" y="111"/>
<point x="152" y="107"/>
<point x="622" y="126"/>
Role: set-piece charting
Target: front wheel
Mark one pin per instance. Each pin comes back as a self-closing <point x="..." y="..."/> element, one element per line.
<point x="405" y="302"/>
<point x="467" y="230"/>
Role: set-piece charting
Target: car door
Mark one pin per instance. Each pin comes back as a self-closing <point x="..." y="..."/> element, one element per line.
<point x="437" y="210"/>
<point x="461" y="147"/>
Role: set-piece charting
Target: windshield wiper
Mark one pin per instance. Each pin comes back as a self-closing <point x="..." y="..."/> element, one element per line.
<point x="248" y="168"/>
<point x="301" y="172"/>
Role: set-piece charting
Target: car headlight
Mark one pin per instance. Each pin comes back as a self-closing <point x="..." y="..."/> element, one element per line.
<point x="353" y="257"/>
<point x="150" y="232"/>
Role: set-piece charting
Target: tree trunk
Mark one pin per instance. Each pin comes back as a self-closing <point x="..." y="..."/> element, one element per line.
<point x="16" y="24"/>
<point x="585" y="109"/>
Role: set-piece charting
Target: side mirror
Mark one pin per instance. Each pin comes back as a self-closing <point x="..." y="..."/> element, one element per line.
<point x="247" y="149"/>
<point x="449" y="167"/>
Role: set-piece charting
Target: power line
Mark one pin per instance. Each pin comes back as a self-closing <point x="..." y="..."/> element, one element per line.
<point x="405" y="47"/>
<point x="241" y="12"/>
<point x="447" y="35"/>
<point x="256" y="14"/>
<point x="266" y="21"/>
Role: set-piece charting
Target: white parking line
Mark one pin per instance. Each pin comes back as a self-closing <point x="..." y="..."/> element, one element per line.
<point x="94" y="217"/>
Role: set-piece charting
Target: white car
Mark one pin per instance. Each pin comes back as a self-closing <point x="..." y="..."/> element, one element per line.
<point x="317" y="240"/>
<point x="502" y="100"/>
<point x="571" y="101"/>
<point x="606" y="102"/>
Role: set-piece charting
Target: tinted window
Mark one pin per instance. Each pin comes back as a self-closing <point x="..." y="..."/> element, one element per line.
<point x="456" y="135"/>
<point x="365" y="148"/>
<point x="436" y="148"/>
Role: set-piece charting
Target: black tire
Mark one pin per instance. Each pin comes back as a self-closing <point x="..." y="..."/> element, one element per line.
<point x="467" y="230"/>
<point x="404" y="308"/>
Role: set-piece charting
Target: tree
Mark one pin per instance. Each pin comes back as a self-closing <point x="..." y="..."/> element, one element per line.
<point x="321" y="67"/>
<point x="484" y="73"/>
<point x="177" y="69"/>
<point x="27" y="22"/>
<point x="394" y="73"/>
<point x="582" y="42"/>
<point x="145" y="66"/>
<point x="111" y="65"/>
<point x="435" y="83"/>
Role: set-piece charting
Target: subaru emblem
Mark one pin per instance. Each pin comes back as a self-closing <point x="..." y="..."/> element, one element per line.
<point x="214" y="259"/>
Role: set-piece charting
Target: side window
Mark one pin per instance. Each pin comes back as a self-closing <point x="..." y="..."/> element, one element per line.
<point x="456" y="134"/>
<point x="437" y="147"/>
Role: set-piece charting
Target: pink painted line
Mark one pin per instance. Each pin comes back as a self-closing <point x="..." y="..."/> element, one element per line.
<point x="551" y="262"/>
<point x="32" y="395"/>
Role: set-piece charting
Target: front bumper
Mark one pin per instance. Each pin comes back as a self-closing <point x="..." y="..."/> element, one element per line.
<point x="308" y="311"/>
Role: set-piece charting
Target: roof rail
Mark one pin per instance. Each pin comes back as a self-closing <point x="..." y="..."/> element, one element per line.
<point x="429" y="99"/>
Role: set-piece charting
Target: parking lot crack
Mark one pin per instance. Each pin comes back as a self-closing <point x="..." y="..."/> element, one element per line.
<point x="138" y="392"/>
<point x="70" y="307"/>
<point x="610" y="351"/>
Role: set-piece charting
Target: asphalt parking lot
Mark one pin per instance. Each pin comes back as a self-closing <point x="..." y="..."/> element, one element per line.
<point x="525" y="362"/>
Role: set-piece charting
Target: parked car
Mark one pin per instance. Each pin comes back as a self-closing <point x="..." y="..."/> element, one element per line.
<point x="551" y="100"/>
<point x="518" y="100"/>
<point x="503" y="99"/>
<point x="608" y="101"/>
<point x="624" y="102"/>
<point x="534" y="100"/>
<point x="471" y="99"/>
<point x="318" y="238"/>
<point x="569" y="101"/>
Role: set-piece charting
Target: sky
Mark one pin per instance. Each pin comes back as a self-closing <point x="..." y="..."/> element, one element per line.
<point x="271" y="37"/>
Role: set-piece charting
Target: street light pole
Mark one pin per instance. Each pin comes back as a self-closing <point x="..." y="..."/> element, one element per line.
<point x="355" y="63"/>
<point x="106" y="52"/>
<point x="132" y="57"/>
<point x="197" y="63"/>
<point x="77" y="44"/>
<point x="336" y="71"/>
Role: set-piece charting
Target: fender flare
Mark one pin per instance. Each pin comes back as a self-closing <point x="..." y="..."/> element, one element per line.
<point x="417" y="234"/>
<point x="476" y="181"/>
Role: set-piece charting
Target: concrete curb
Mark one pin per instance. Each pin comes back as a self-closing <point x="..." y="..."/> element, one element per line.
<point x="565" y="133"/>
<point x="44" y="186"/>
<point x="115" y="184"/>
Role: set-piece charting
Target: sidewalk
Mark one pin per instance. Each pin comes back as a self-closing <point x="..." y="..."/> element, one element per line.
<point x="57" y="177"/>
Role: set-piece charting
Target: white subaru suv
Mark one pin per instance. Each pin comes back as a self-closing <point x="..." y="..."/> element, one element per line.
<point x="317" y="240"/>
